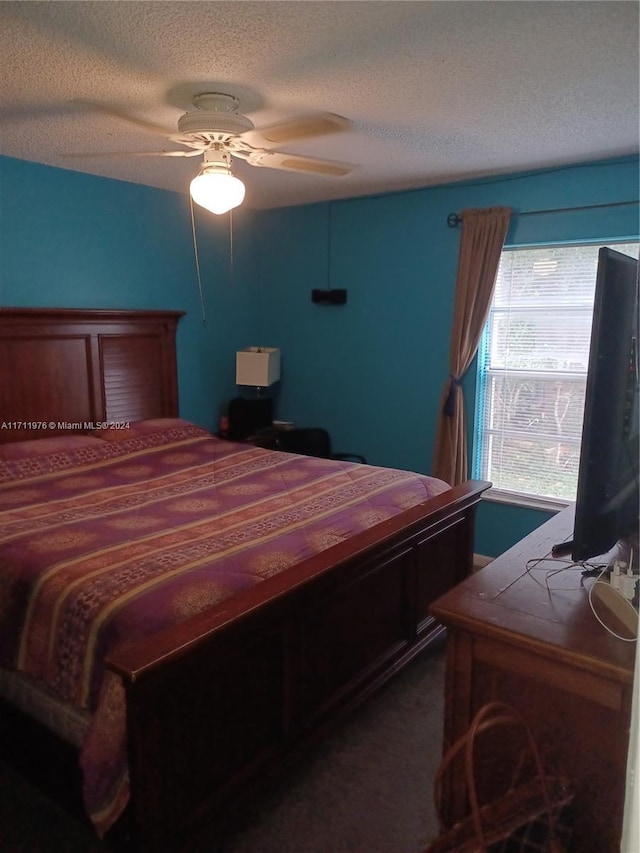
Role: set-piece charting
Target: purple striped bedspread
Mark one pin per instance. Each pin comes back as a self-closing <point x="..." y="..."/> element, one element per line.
<point x="104" y="542"/>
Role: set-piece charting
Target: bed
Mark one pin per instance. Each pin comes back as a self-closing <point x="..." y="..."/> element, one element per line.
<point x="181" y="612"/>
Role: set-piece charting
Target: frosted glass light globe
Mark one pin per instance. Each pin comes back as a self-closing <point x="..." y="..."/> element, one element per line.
<point x="216" y="191"/>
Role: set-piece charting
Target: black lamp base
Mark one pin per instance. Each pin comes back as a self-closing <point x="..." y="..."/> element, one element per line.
<point x="248" y="416"/>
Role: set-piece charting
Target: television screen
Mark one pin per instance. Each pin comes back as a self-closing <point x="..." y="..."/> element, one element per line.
<point x="607" y="496"/>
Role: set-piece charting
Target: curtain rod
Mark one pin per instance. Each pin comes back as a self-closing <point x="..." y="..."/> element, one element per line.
<point x="454" y="219"/>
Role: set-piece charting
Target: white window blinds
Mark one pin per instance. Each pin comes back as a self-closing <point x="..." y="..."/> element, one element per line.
<point x="532" y="368"/>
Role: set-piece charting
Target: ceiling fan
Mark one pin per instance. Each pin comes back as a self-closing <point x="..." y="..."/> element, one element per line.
<point x="216" y="130"/>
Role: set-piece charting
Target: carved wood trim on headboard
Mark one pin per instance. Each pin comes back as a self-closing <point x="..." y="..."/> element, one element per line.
<point x="62" y="367"/>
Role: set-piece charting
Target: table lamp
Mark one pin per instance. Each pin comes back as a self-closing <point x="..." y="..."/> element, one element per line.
<point x="256" y="367"/>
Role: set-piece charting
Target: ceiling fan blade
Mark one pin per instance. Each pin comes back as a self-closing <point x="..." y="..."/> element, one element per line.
<point x="296" y="163"/>
<point x="299" y="127"/>
<point x="132" y="154"/>
<point x="114" y="113"/>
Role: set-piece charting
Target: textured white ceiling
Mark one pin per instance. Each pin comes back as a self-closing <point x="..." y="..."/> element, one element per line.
<point x="436" y="91"/>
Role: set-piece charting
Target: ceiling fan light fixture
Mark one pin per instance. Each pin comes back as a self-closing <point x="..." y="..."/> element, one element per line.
<point x="215" y="188"/>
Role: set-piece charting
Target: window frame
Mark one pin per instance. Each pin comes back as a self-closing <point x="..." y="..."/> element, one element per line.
<point x="482" y="381"/>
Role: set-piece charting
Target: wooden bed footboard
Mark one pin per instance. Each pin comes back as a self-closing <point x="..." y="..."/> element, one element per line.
<point x="220" y="699"/>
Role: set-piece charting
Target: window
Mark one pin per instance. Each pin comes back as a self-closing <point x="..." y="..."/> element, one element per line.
<point x="532" y="370"/>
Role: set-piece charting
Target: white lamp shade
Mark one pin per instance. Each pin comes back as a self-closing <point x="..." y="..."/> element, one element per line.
<point x="217" y="192"/>
<point x="257" y="366"/>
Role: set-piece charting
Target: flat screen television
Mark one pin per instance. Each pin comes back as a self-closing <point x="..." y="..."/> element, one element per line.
<point x="607" y="500"/>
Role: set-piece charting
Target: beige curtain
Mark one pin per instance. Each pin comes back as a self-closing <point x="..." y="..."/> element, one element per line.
<point x="483" y="236"/>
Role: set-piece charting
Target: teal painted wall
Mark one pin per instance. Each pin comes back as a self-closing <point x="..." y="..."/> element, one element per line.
<point x="372" y="371"/>
<point x="73" y="240"/>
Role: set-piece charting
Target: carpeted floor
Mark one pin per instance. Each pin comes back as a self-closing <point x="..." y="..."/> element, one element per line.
<point x="367" y="788"/>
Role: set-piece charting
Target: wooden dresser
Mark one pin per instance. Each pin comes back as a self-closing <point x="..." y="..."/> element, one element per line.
<point x="511" y="638"/>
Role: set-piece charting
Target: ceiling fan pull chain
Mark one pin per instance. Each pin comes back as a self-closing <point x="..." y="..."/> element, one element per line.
<point x="195" y="252"/>
<point x="231" y="242"/>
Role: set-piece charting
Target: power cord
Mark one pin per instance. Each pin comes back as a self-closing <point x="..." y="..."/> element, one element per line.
<point x="588" y="570"/>
<point x="626" y="601"/>
<point x="566" y="565"/>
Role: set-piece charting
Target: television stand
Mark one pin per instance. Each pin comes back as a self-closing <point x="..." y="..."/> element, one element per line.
<point x="513" y="639"/>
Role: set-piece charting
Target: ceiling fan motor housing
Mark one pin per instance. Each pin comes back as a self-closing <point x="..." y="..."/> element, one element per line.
<point x="199" y="123"/>
<point x="215" y="115"/>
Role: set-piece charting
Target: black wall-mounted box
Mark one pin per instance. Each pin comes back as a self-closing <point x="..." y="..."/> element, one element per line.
<point x="334" y="296"/>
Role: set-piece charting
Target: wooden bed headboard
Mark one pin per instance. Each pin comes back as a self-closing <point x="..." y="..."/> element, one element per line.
<point x="62" y="367"/>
